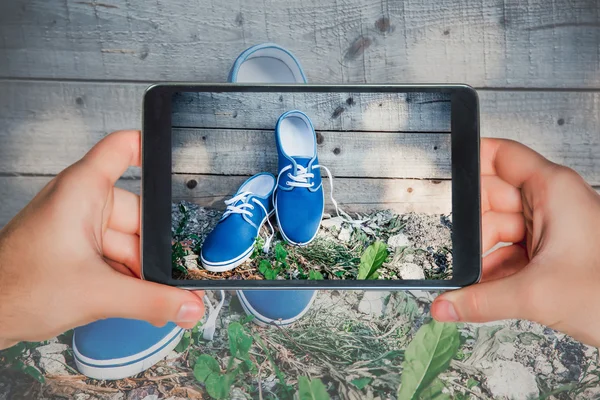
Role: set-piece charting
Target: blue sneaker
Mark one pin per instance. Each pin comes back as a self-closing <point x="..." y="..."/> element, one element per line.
<point x="232" y="241"/>
<point x="276" y="307"/>
<point x="299" y="198"/>
<point x="118" y="348"/>
<point x="270" y="63"/>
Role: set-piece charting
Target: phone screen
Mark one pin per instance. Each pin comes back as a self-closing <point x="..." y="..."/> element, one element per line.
<point x="311" y="186"/>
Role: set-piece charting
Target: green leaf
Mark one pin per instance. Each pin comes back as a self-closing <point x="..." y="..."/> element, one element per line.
<point x="373" y="258"/>
<point x="427" y="355"/>
<point x="264" y="266"/>
<point x="35" y="373"/>
<point x="13" y="352"/>
<point x="248" y="318"/>
<point x="239" y="341"/>
<point x="361" y="383"/>
<point x="527" y="338"/>
<point x="315" y="275"/>
<point x="311" y="390"/>
<point x="183" y="343"/>
<point x="434" y="391"/>
<point x="205" y="367"/>
<point x="280" y="252"/>
<point x="271" y="274"/>
<point x="471" y="383"/>
<point x="197" y="327"/>
<point x="218" y="386"/>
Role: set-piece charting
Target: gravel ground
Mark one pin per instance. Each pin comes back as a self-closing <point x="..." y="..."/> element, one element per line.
<point x="420" y="245"/>
<point x="342" y="338"/>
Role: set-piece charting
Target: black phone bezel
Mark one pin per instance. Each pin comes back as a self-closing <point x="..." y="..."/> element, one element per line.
<point x="155" y="243"/>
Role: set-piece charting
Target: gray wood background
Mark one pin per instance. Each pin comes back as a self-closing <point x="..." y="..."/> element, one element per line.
<point x="72" y="71"/>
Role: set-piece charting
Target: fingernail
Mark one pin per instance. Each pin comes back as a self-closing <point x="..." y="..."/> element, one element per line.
<point x="189" y="312"/>
<point x="447" y="310"/>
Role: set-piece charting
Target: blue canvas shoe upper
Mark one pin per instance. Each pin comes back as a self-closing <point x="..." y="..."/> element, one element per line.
<point x="270" y="63"/>
<point x="116" y="348"/>
<point x="299" y="198"/>
<point x="232" y="241"/>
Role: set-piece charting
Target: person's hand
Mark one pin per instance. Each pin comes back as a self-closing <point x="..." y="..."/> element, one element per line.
<point x="71" y="256"/>
<point x="551" y="275"/>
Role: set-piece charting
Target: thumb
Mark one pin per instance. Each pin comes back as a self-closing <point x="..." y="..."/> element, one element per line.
<point x="158" y="304"/>
<point x="490" y="301"/>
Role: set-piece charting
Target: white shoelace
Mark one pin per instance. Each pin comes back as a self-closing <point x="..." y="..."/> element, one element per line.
<point x="244" y="209"/>
<point x="301" y="180"/>
<point x="213" y="312"/>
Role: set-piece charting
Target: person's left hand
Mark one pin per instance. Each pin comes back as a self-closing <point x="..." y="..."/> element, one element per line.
<point x="71" y="256"/>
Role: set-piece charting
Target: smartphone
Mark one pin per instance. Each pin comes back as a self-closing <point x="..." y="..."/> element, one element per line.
<point x="311" y="186"/>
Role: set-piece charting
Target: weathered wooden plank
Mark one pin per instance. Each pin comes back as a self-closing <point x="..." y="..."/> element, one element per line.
<point x="406" y="112"/>
<point x="346" y="154"/>
<point x="486" y="43"/>
<point x="353" y="195"/>
<point x="48" y="125"/>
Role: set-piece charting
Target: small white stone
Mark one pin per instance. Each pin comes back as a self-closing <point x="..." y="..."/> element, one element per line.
<point x="330" y="223"/>
<point x="512" y="380"/>
<point x="542" y="365"/>
<point x="326" y="215"/>
<point x="590" y="351"/>
<point x="399" y="240"/>
<point x="559" y="368"/>
<point x="372" y="302"/>
<point x="411" y="271"/>
<point x="82" y="396"/>
<point x="506" y="351"/>
<point x="345" y="234"/>
<point x="52" y="362"/>
<point x="151" y="397"/>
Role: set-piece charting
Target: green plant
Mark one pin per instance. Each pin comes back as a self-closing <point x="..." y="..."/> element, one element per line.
<point x="287" y="389"/>
<point x="371" y="260"/>
<point x="216" y="382"/>
<point x="361" y="383"/>
<point x="177" y="254"/>
<point x="189" y="337"/>
<point x="208" y="371"/>
<point x="272" y="270"/>
<point x="315" y="275"/>
<point x="184" y="220"/>
<point x="13" y="358"/>
<point x="311" y="389"/>
<point x="427" y="355"/>
<point x="434" y="391"/>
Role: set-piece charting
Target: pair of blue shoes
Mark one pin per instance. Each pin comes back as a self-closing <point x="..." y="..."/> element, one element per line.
<point x="295" y="196"/>
<point x="117" y="348"/>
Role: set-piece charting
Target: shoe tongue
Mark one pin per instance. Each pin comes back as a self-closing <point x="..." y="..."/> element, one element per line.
<point x="302" y="161"/>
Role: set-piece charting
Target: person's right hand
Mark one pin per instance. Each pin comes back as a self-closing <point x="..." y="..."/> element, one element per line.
<point x="551" y="275"/>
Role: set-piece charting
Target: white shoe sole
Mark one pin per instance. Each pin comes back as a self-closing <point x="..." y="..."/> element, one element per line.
<point x="263" y="321"/>
<point x="129" y="366"/>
